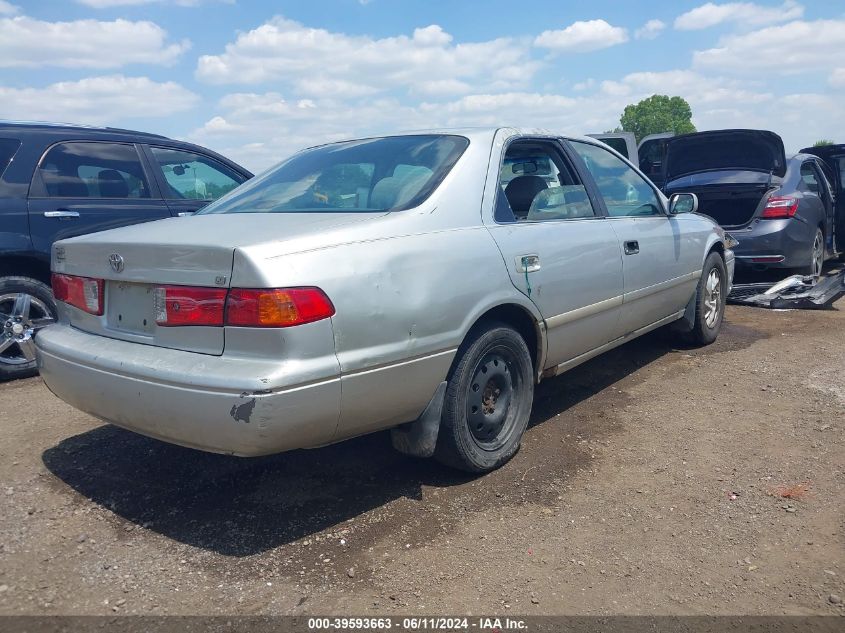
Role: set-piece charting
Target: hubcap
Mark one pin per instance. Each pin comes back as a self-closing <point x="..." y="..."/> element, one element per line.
<point x="712" y="297"/>
<point x="21" y="315"/>
<point x="489" y="399"/>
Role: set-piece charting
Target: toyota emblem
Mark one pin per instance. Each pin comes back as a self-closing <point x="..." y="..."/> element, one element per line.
<point x="116" y="262"/>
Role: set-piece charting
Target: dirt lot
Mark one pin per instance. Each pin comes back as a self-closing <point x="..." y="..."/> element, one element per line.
<point x="647" y="483"/>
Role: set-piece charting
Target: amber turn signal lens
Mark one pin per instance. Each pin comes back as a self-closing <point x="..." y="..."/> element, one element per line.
<point x="277" y="307"/>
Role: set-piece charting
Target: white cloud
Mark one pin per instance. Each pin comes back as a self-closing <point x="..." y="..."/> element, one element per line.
<point x="317" y="62"/>
<point x="793" y="47"/>
<point x="28" y="43"/>
<point x="650" y="30"/>
<point x="7" y="8"/>
<point x="260" y="129"/>
<point x="96" y="100"/>
<point x="746" y="13"/>
<point x="582" y="37"/>
<point x="837" y="78"/>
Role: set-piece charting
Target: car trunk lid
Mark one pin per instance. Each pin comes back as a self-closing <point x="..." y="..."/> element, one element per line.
<point x="191" y="251"/>
<point x="721" y="150"/>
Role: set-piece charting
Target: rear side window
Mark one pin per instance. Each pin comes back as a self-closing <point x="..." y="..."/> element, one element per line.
<point x="93" y="170"/>
<point x="192" y="176"/>
<point x="808" y="177"/>
<point x="8" y="147"/>
<point x="536" y="184"/>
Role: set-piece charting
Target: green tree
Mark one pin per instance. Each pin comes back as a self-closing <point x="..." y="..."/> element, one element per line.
<point x="658" y="113"/>
<point x="823" y="142"/>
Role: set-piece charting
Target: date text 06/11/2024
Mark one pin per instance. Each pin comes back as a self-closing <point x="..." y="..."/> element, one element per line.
<point x="487" y="624"/>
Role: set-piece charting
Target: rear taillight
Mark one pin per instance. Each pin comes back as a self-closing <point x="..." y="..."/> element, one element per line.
<point x="277" y="307"/>
<point x="84" y="293"/>
<point x="182" y="305"/>
<point x="780" y="207"/>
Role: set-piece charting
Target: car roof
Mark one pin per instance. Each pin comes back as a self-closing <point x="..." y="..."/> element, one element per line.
<point x="50" y="127"/>
<point x="472" y="133"/>
<point x="59" y="132"/>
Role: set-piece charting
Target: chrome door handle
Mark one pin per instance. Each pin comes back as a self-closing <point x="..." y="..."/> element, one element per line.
<point x="527" y="263"/>
<point x="61" y="214"/>
<point x="632" y="247"/>
<point x="183" y="214"/>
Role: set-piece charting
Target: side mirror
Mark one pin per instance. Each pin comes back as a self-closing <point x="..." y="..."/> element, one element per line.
<point x="683" y="203"/>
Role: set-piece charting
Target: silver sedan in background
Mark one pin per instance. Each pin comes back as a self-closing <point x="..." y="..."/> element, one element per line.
<point x="420" y="282"/>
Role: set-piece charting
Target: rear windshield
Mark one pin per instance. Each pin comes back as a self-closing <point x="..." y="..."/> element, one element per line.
<point x="382" y="174"/>
<point x="8" y="147"/>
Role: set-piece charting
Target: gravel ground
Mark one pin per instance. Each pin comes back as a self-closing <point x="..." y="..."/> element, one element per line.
<point x="651" y="481"/>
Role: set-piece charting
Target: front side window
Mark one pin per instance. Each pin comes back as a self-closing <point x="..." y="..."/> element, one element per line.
<point x="536" y="183"/>
<point x="382" y="174"/>
<point x="625" y="192"/>
<point x="192" y="176"/>
<point x="93" y="170"/>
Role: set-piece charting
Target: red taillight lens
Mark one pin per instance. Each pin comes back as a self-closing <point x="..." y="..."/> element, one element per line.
<point x="81" y="292"/>
<point x="181" y="305"/>
<point x="276" y="307"/>
<point x="780" y="207"/>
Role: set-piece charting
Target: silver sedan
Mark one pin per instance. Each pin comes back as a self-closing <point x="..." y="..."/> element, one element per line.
<point x="420" y="282"/>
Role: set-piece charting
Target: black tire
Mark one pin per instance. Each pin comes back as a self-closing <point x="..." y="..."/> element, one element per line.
<point x="706" y="327"/>
<point x="816" y="264"/>
<point x="16" y="328"/>
<point x="482" y="422"/>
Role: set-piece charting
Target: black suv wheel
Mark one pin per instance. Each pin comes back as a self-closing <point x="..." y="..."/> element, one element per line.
<point x="26" y="305"/>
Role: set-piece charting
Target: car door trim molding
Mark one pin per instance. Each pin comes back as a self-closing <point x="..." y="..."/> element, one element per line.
<point x="615" y="302"/>
<point x="584" y="311"/>
<point x="660" y="287"/>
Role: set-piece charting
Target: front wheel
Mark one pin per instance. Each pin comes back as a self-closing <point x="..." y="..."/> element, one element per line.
<point x="26" y="305"/>
<point x="709" y="301"/>
<point x="488" y="401"/>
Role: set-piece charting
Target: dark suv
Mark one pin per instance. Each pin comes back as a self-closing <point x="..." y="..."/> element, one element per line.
<point x="59" y="181"/>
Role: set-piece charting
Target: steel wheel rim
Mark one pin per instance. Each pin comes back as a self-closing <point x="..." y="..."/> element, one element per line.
<point x="818" y="255"/>
<point x="21" y="316"/>
<point x="712" y="297"/>
<point x="490" y="410"/>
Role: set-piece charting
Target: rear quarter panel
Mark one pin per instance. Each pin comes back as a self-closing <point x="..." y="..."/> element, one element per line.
<point x="403" y="306"/>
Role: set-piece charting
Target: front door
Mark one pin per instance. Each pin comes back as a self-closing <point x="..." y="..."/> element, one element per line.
<point x="559" y="249"/>
<point x="661" y="260"/>
<point x="83" y="187"/>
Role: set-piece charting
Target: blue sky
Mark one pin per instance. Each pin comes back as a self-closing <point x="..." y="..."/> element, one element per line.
<point x="258" y="80"/>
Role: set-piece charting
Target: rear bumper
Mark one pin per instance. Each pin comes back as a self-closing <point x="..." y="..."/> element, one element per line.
<point x="783" y="243"/>
<point x="240" y="406"/>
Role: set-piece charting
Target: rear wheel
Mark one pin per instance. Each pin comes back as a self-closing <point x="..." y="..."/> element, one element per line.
<point x="709" y="301"/>
<point x="26" y="306"/>
<point x="488" y="401"/>
<point x="814" y="268"/>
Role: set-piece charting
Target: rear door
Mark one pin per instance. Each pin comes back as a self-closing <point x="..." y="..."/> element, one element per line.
<point x="557" y="246"/>
<point x="817" y="194"/>
<point x="661" y="259"/>
<point x="82" y="187"/>
<point x="190" y="180"/>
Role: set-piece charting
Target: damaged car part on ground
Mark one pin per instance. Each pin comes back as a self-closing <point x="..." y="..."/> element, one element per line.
<point x="795" y="292"/>
<point x="780" y="209"/>
<point x="423" y="282"/>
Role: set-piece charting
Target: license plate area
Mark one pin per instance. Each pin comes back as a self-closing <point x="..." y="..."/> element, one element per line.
<point x="130" y="307"/>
